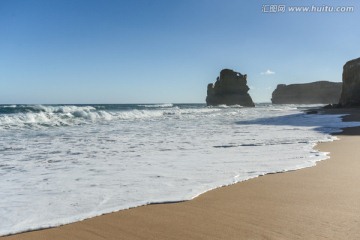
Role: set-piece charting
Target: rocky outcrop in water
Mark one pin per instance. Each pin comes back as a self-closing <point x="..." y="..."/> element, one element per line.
<point x="307" y="93"/>
<point x="230" y="88"/>
<point x="350" y="94"/>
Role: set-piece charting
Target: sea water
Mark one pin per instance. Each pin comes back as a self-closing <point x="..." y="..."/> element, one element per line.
<point x="64" y="163"/>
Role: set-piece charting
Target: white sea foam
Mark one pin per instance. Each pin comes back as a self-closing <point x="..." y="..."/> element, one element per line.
<point x="164" y="105"/>
<point x="60" y="164"/>
<point x="39" y="116"/>
<point x="10" y="106"/>
<point x="226" y="106"/>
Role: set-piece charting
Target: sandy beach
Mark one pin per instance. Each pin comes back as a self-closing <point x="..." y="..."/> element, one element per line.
<point x="179" y="120"/>
<point x="321" y="202"/>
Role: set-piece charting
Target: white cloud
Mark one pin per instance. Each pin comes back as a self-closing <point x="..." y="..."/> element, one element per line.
<point x="267" y="72"/>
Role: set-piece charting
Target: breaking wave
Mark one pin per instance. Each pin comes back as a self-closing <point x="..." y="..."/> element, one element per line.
<point x="65" y="163"/>
<point x="40" y="116"/>
<point x="165" y="105"/>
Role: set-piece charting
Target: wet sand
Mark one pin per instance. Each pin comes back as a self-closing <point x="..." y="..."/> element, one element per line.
<point x="321" y="202"/>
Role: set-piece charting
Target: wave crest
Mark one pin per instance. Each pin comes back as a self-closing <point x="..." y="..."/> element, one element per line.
<point x="40" y="116"/>
<point x="164" y="105"/>
<point x="45" y="116"/>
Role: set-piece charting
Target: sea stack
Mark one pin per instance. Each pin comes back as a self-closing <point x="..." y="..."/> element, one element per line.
<point x="230" y="88"/>
<point x="307" y="93"/>
<point x="350" y="94"/>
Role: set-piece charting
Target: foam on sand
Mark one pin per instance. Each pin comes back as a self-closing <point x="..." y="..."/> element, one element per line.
<point x="74" y="162"/>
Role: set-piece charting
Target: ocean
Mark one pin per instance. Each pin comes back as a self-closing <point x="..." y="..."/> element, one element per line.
<point x="65" y="163"/>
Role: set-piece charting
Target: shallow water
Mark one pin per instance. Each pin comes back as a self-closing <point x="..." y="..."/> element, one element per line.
<point x="63" y="163"/>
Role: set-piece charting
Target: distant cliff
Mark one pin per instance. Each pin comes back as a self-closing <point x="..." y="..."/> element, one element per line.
<point x="350" y="95"/>
<point x="230" y="88"/>
<point x="307" y="93"/>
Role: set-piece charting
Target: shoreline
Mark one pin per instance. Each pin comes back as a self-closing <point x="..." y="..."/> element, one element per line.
<point x="209" y="215"/>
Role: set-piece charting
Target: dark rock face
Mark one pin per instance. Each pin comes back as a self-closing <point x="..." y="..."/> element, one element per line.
<point x="229" y="89"/>
<point x="307" y="93"/>
<point x="350" y="94"/>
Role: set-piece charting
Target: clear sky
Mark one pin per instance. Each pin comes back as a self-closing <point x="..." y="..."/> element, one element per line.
<point x="165" y="51"/>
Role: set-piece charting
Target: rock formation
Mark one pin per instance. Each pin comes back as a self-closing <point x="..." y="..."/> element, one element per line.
<point x="307" y="93"/>
<point x="350" y="94"/>
<point x="229" y="89"/>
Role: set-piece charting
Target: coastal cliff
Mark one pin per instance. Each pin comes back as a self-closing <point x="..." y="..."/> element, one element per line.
<point x="350" y="95"/>
<point x="307" y="93"/>
<point x="230" y="88"/>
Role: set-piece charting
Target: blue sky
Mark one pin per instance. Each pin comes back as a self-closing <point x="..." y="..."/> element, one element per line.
<point x="138" y="51"/>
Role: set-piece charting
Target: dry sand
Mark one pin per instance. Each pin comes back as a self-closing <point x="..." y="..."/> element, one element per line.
<point x="321" y="202"/>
